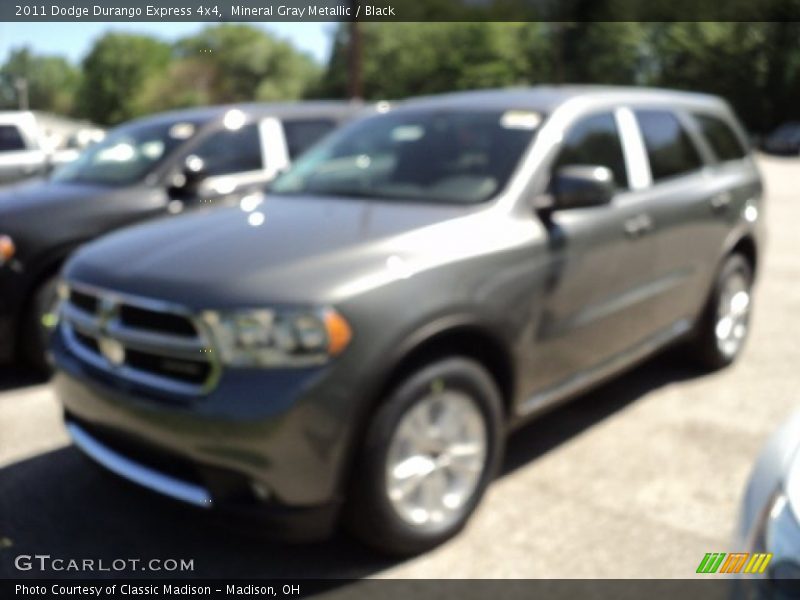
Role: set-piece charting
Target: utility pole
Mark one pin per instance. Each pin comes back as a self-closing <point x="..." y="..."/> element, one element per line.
<point x="355" y="88"/>
<point x="21" y="85"/>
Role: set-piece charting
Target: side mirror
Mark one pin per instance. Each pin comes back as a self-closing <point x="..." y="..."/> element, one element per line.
<point x="579" y="186"/>
<point x="186" y="180"/>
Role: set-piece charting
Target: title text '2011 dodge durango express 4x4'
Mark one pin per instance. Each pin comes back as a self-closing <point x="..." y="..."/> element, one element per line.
<point x="357" y="342"/>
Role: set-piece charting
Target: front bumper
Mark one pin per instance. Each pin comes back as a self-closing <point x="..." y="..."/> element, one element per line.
<point x="268" y="445"/>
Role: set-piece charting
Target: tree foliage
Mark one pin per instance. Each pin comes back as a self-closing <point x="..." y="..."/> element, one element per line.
<point x="52" y="81"/>
<point x="245" y="63"/>
<point x="756" y="66"/>
<point x="114" y="71"/>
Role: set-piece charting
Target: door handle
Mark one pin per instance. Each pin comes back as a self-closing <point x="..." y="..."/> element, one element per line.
<point x="721" y="201"/>
<point x="638" y="226"/>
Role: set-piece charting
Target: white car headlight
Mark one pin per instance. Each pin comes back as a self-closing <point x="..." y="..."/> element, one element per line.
<point x="271" y="338"/>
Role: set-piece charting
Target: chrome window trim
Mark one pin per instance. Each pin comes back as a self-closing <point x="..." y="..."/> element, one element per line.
<point x="274" y="147"/>
<point x="639" y="175"/>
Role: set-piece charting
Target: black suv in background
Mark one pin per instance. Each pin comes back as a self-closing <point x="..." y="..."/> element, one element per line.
<point x="357" y="342"/>
<point x="150" y="167"/>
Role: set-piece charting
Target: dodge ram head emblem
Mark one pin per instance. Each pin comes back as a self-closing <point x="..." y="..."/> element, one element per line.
<point x="112" y="350"/>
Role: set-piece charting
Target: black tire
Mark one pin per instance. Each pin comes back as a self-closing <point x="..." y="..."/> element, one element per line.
<point x="37" y="326"/>
<point x="705" y="348"/>
<point x="370" y="515"/>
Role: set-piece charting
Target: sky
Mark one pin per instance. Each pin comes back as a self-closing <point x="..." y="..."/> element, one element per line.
<point x="73" y="40"/>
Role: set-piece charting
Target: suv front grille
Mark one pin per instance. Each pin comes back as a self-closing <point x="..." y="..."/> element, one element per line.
<point x="133" y="316"/>
<point x="148" y="342"/>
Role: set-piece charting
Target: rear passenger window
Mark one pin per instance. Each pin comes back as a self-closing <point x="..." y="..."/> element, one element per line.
<point x="721" y="138"/>
<point x="300" y="135"/>
<point x="669" y="148"/>
<point x="10" y="139"/>
<point x="595" y="140"/>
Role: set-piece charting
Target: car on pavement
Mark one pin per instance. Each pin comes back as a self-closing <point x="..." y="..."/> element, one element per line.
<point x="784" y="141"/>
<point x="770" y="518"/>
<point x="150" y="167"/>
<point x="354" y="345"/>
<point x="32" y="143"/>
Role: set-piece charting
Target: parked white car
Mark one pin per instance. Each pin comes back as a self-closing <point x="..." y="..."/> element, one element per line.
<point x="31" y="143"/>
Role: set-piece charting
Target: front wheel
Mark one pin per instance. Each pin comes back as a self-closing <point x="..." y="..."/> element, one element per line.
<point x="430" y="452"/>
<point x="725" y="323"/>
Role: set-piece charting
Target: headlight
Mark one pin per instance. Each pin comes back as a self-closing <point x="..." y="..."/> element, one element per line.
<point x="7" y="249"/>
<point x="270" y="338"/>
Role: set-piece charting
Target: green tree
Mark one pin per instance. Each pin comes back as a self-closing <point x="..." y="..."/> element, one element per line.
<point x="52" y="81"/>
<point x="597" y="52"/>
<point x="114" y="71"/>
<point x="402" y="59"/>
<point x="186" y="82"/>
<point x="753" y="65"/>
<point x="243" y="63"/>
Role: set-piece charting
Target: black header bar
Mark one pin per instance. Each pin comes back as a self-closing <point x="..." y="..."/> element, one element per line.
<point x="397" y="10"/>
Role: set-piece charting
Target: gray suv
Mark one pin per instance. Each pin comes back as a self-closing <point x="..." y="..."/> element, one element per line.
<point x="354" y="344"/>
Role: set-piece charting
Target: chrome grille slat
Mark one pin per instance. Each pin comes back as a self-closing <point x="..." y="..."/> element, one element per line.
<point x="156" y="343"/>
<point x="80" y="320"/>
<point x="174" y="363"/>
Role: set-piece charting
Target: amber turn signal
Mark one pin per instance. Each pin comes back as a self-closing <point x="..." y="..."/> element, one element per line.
<point x="7" y="249"/>
<point x="339" y="333"/>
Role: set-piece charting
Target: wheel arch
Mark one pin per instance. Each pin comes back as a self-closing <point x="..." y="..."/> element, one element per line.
<point x="746" y="246"/>
<point x="454" y="336"/>
<point x="465" y="339"/>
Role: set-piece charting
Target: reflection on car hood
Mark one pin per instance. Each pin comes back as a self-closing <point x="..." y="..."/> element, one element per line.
<point x="286" y="249"/>
<point x="37" y="195"/>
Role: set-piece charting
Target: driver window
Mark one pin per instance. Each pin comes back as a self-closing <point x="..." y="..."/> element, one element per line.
<point x="594" y="140"/>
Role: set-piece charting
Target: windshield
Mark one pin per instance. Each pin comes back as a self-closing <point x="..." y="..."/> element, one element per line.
<point x="433" y="156"/>
<point x="128" y="154"/>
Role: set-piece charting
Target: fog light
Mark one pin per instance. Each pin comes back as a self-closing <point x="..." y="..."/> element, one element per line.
<point x="260" y="491"/>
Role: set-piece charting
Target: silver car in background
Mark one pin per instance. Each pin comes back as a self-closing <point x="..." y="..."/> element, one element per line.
<point x="770" y="517"/>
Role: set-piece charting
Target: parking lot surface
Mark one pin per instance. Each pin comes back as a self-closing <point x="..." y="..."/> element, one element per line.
<point x="639" y="478"/>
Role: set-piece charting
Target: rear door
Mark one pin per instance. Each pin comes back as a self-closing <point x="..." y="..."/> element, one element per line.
<point x="693" y="202"/>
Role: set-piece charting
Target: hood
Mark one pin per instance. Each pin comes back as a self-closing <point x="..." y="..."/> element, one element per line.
<point x="289" y="249"/>
<point x="46" y="216"/>
<point x="46" y="194"/>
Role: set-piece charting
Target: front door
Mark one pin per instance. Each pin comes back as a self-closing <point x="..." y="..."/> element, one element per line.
<point x="597" y="304"/>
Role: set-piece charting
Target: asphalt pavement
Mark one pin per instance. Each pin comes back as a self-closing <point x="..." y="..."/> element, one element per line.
<point x="639" y="478"/>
